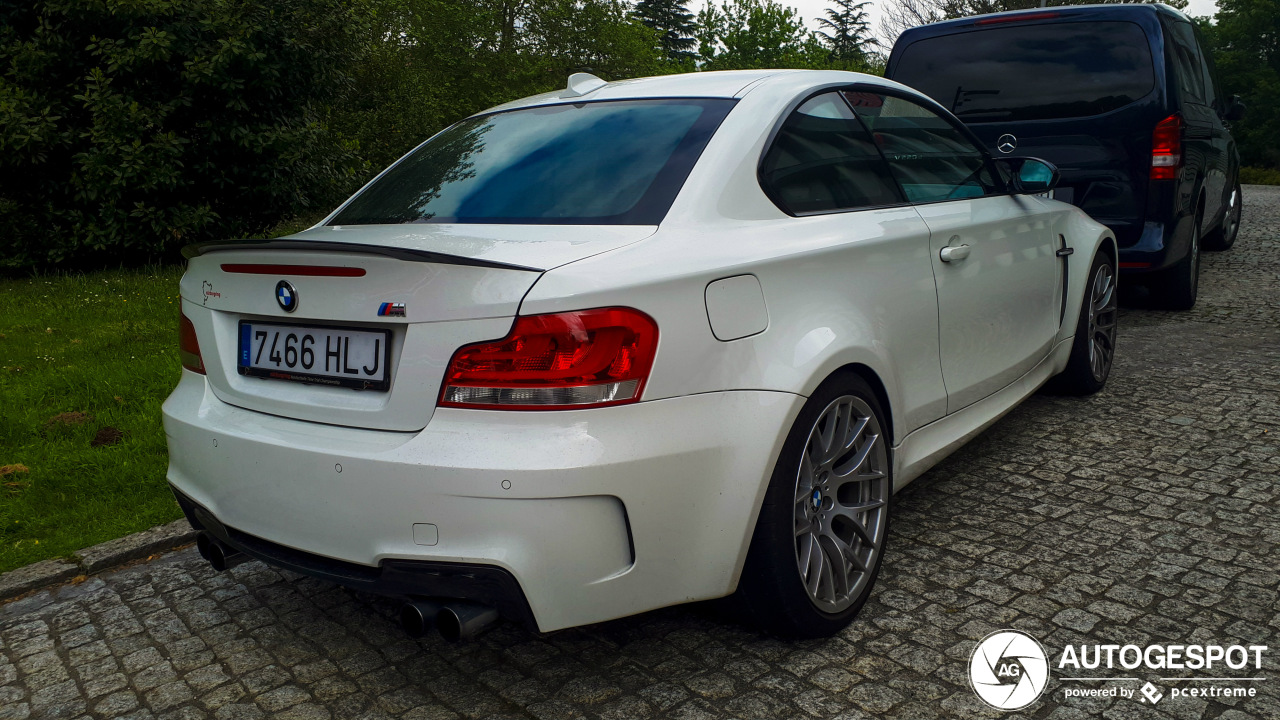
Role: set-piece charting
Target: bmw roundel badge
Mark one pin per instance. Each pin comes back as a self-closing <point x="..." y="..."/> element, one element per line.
<point x="287" y="296"/>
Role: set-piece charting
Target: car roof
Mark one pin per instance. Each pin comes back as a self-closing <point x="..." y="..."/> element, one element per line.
<point x="715" y="84"/>
<point x="1099" y="11"/>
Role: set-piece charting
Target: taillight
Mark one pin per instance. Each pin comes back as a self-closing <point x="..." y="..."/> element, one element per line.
<point x="587" y="358"/>
<point x="189" y="346"/>
<point x="1016" y="18"/>
<point x="1166" y="148"/>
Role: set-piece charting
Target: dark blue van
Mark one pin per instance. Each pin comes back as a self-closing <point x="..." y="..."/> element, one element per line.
<point x="1121" y="99"/>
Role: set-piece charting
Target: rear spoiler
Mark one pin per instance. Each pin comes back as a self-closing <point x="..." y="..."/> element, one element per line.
<point x="406" y="254"/>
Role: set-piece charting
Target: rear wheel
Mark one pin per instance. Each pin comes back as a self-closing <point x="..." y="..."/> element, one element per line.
<point x="1178" y="287"/>
<point x="1225" y="236"/>
<point x="1095" y="342"/>
<point x="821" y="534"/>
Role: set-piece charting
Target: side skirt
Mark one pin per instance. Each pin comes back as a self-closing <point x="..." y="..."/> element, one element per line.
<point x="926" y="446"/>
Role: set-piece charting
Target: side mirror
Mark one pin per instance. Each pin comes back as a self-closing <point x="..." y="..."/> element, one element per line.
<point x="1235" y="109"/>
<point x="1029" y="176"/>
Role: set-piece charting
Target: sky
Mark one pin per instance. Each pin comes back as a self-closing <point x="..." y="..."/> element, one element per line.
<point x="811" y="9"/>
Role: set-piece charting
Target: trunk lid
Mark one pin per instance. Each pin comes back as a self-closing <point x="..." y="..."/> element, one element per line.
<point x="458" y="284"/>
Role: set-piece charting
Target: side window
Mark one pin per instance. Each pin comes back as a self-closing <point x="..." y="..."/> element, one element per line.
<point x="1206" y="65"/>
<point x="1189" y="66"/>
<point x="931" y="158"/>
<point x="823" y="160"/>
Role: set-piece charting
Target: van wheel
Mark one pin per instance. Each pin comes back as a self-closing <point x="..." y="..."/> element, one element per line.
<point x="821" y="534"/>
<point x="1225" y="235"/>
<point x="1178" y="287"/>
<point x="1094" y="347"/>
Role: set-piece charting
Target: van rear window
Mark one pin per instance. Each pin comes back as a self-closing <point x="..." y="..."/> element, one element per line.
<point x="1032" y="72"/>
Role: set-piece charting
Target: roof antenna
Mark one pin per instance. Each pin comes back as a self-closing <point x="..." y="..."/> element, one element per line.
<point x="582" y="83"/>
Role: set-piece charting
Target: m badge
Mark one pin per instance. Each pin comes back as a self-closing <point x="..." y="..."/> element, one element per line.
<point x="389" y="309"/>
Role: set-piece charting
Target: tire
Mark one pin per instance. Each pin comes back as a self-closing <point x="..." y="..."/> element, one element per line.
<point x="1178" y="287"/>
<point x="1225" y="235"/>
<point x="790" y="587"/>
<point x="1095" y="343"/>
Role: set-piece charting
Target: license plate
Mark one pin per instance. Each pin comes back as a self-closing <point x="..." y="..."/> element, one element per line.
<point x="343" y="357"/>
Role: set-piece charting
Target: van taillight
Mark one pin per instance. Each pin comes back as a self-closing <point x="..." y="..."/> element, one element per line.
<point x="561" y="361"/>
<point x="189" y="346"/>
<point x="1166" y="149"/>
<point x="998" y="19"/>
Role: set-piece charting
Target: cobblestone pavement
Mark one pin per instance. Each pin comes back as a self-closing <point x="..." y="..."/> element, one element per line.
<point x="1147" y="514"/>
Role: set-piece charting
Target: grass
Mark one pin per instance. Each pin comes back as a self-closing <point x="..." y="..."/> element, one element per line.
<point x="81" y="355"/>
<point x="1259" y="176"/>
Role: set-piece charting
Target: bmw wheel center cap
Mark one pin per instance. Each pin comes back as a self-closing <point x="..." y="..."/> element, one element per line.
<point x="286" y="296"/>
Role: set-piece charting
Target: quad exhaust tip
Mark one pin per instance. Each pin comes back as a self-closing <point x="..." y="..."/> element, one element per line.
<point x="456" y="620"/>
<point x="220" y="555"/>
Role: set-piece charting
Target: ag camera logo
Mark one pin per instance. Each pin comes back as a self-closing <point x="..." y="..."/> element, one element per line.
<point x="1009" y="670"/>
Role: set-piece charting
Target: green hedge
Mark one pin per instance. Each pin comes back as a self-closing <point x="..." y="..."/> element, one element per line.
<point x="131" y="127"/>
<point x="1259" y="176"/>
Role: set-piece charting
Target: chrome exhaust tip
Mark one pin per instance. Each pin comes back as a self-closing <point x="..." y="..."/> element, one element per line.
<point x="418" y="616"/>
<point x="459" y="621"/>
<point x="220" y="556"/>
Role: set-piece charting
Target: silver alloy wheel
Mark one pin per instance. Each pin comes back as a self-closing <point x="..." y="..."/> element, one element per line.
<point x="1233" y="216"/>
<point x="1103" y="303"/>
<point x="841" y="503"/>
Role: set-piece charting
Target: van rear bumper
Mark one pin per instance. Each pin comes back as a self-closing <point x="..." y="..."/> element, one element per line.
<point x="1159" y="245"/>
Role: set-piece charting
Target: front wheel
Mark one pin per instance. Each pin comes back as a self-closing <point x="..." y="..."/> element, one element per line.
<point x="1094" y="347"/>
<point x="821" y="534"/>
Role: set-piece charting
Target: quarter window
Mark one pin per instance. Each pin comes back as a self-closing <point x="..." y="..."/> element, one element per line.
<point x="823" y="160"/>
<point x="1189" y="64"/>
<point x="930" y="157"/>
<point x="1210" y="84"/>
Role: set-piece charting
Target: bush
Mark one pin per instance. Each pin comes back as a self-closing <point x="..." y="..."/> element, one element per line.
<point x="1259" y="176"/>
<point x="131" y="127"/>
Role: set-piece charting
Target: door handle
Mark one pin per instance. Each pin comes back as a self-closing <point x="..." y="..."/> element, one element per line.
<point x="954" y="252"/>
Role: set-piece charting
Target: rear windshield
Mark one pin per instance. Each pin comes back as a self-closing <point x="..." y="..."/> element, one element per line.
<point x="1032" y="72"/>
<point x="618" y="163"/>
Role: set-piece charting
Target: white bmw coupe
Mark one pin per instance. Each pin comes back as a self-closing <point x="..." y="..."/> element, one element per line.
<point x="628" y="345"/>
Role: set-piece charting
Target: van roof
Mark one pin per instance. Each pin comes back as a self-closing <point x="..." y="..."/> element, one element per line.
<point x="1100" y="11"/>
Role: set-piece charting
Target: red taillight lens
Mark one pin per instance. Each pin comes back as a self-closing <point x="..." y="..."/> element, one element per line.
<point x="1166" y="149"/>
<point x="189" y="346"/>
<point x="587" y="358"/>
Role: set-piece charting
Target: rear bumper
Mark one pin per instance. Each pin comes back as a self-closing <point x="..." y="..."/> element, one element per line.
<point x="1158" y="246"/>
<point x="486" y="584"/>
<point x="595" y="514"/>
<point x="1155" y="244"/>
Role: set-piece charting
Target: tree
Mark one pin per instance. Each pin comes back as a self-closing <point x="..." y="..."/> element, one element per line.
<point x="899" y="15"/>
<point x="846" y="30"/>
<point x="1245" y="44"/>
<point x="433" y="62"/>
<point x="743" y="34"/>
<point x="129" y="128"/>
<point x="674" y="23"/>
